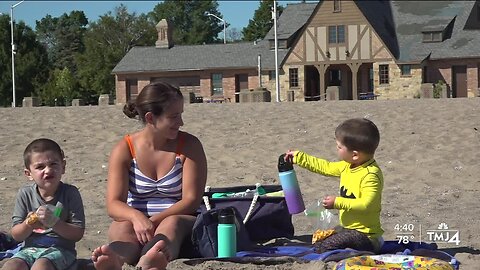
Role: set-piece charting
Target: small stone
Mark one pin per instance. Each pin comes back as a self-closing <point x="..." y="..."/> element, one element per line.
<point x="3" y="178"/>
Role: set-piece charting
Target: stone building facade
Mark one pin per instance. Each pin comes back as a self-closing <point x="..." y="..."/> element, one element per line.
<point x="338" y="45"/>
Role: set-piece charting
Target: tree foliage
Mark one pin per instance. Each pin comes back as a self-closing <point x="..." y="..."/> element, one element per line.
<point x="234" y="35"/>
<point x="63" y="38"/>
<point x="262" y="21"/>
<point x="190" y="22"/>
<point x="106" y="42"/>
<point x="69" y="57"/>
<point x="31" y="61"/>
<point x="60" y="89"/>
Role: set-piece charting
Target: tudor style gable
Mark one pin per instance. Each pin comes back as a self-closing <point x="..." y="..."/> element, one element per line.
<point x="338" y="31"/>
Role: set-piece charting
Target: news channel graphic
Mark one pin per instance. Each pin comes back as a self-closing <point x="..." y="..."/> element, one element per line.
<point x="410" y="232"/>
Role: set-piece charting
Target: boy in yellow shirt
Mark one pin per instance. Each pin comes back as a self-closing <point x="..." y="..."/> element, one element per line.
<point x="361" y="185"/>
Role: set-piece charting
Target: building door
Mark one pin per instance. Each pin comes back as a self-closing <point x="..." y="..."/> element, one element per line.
<point x="459" y="81"/>
<point x="335" y="77"/>
<point x="312" y="84"/>
<point x="241" y="83"/>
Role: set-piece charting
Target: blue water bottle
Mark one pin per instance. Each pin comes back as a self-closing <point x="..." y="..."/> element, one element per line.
<point x="291" y="189"/>
<point x="226" y="233"/>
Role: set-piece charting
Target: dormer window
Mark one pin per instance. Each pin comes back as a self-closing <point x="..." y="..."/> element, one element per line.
<point x="336" y="6"/>
<point x="282" y="44"/>
<point x="433" y="36"/>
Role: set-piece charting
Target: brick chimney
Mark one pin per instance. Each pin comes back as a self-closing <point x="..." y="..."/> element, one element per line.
<point x="164" y="35"/>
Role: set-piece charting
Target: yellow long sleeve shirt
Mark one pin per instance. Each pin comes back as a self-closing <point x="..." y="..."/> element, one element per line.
<point x="359" y="203"/>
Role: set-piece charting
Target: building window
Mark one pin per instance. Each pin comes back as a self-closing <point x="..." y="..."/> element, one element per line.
<point x="282" y="44"/>
<point x="217" y="86"/>
<point x="432" y="36"/>
<point x="336" y="34"/>
<point x="383" y="74"/>
<point x="271" y="75"/>
<point x="336" y="6"/>
<point x="406" y="70"/>
<point x="132" y="89"/>
<point x="293" y="77"/>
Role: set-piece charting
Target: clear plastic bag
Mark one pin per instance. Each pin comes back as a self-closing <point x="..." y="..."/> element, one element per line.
<point x="321" y="218"/>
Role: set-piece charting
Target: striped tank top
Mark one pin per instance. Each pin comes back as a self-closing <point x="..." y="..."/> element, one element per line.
<point x="154" y="196"/>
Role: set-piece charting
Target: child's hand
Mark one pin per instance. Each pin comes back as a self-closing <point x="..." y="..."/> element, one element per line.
<point x="328" y="202"/>
<point x="289" y="155"/>
<point x="46" y="216"/>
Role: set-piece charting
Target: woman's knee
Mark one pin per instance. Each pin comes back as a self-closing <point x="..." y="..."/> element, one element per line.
<point x="121" y="230"/>
<point x="176" y="223"/>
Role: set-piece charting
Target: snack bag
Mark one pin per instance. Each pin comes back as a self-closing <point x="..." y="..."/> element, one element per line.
<point x="323" y="221"/>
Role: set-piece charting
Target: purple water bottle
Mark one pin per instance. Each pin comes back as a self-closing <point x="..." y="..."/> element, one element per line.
<point x="291" y="189"/>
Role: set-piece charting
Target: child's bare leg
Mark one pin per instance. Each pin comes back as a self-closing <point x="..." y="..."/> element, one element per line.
<point x="124" y="248"/>
<point x="15" y="264"/>
<point x="43" y="264"/>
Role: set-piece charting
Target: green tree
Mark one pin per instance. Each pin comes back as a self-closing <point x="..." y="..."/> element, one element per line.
<point x="262" y="21"/>
<point x="106" y="42"/>
<point x="30" y="62"/>
<point x="62" y="38"/>
<point x="61" y="88"/>
<point x="190" y="22"/>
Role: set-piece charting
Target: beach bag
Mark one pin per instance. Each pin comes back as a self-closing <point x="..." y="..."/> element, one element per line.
<point x="265" y="217"/>
<point x="204" y="233"/>
<point x="6" y="241"/>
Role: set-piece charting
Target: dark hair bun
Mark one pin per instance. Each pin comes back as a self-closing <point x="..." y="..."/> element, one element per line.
<point x="130" y="110"/>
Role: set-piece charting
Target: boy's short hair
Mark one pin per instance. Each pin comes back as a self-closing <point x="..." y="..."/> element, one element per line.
<point x="358" y="134"/>
<point x="39" y="146"/>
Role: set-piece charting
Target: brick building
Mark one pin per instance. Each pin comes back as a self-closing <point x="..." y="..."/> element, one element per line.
<point x="390" y="49"/>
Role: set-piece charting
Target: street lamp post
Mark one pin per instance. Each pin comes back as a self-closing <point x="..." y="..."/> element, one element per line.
<point x="224" y="26"/>
<point x="277" y="82"/>
<point x="13" y="53"/>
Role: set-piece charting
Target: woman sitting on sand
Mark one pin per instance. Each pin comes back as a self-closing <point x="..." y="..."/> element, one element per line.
<point x="156" y="179"/>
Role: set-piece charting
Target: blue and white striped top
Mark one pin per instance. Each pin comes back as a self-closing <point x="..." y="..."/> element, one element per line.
<point x="154" y="196"/>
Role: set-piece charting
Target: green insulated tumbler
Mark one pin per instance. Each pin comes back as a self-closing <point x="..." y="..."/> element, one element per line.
<point x="226" y="233"/>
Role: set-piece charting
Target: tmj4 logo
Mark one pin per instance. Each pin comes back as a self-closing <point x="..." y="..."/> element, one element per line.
<point x="444" y="234"/>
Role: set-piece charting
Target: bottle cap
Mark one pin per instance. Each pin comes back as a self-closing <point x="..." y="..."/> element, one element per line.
<point x="283" y="165"/>
<point x="226" y="216"/>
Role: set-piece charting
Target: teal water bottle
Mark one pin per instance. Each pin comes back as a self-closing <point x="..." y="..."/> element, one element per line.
<point x="226" y="233"/>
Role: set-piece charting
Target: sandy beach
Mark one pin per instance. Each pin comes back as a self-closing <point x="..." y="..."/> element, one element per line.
<point x="429" y="152"/>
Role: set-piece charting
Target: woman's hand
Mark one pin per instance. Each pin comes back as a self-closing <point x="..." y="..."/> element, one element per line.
<point x="143" y="227"/>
